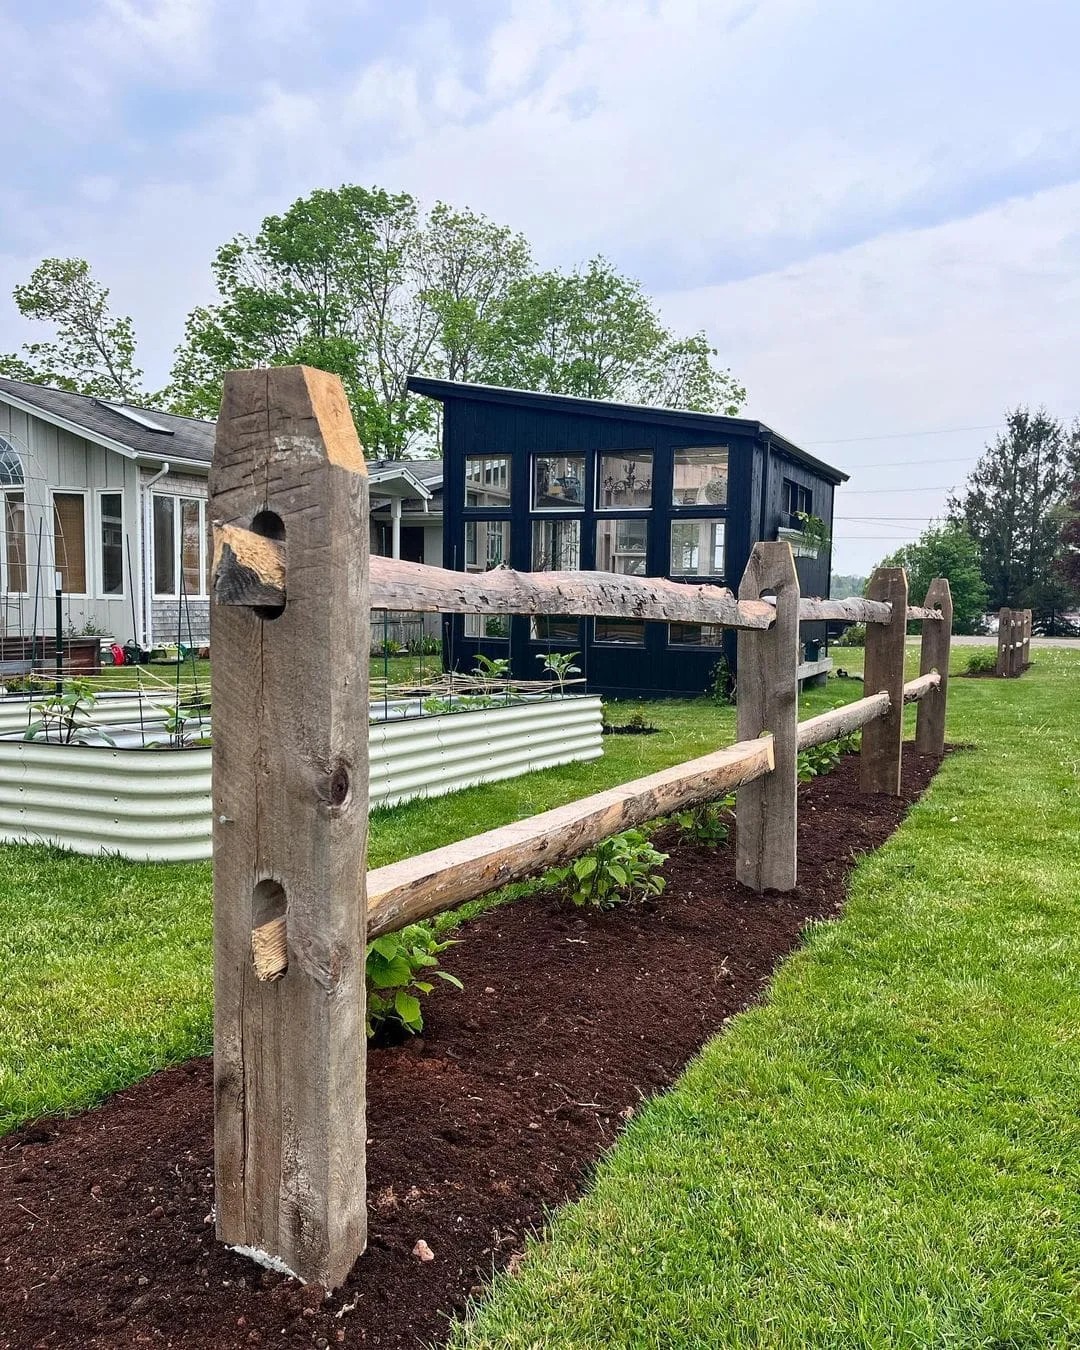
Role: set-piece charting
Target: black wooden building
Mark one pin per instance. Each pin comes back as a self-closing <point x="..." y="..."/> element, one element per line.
<point x="549" y="482"/>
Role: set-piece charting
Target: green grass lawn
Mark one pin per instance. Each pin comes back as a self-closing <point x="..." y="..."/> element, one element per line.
<point x="107" y="963"/>
<point x="887" y="1151"/>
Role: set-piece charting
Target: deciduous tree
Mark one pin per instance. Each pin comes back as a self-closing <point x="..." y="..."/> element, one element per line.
<point x="92" y="351"/>
<point x="945" y="550"/>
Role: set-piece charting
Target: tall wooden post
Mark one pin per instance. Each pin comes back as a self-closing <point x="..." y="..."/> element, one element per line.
<point x="1025" y="656"/>
<point x="883" y="672"/>
<point x="768" y="700"/>
<point x="1004" y="651"/>
<point x="290" y="788"/>
<point x="934" y="655"/>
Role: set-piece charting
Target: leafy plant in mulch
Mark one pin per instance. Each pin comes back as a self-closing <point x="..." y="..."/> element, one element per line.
<point x="491" y="667"/>
<point x="63" y="718"/>
<point x="817" y="760"/>
<point x="620" y="869"/>
<point x="708" y="824"/>
<point x="397" y="964"/>
<point x="635" y="725"/>
<point x="722" y="683"/>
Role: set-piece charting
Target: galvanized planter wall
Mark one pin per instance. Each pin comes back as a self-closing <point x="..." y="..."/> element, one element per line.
<point x="154" y="805"/>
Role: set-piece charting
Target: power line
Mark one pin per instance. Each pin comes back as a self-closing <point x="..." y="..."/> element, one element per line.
<point x="906" y="435"/>
<point x="866" y="492"/>
<point x="903" y="463"/>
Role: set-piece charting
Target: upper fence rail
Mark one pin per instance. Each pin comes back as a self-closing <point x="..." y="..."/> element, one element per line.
<point x="250" y="569"/>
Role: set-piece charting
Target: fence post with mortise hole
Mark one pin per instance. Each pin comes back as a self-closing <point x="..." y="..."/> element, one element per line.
<point x="883" y="672"/>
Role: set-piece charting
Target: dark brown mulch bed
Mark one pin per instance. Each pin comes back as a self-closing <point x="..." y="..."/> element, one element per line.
<point x="567" y="1023"/>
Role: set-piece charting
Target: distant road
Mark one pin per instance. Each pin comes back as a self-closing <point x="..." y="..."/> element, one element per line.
<point x="990" y="640"/>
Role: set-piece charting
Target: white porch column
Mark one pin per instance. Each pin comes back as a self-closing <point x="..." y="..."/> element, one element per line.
<point x="395" y="527"/>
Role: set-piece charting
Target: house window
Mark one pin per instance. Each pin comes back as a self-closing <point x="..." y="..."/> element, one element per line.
<point x="625" y="481"/>
<point x="487" y="480"/>
<point x="558" y="482"/>
<point x="697" y="548"/>
<point x="619" y="632"/>
<point x="695" y="635"/>
<point x="112" y="543"/>
<point x="180" y="546"/>
<point x="69" y="540"/>
<point x="14" y="504"/>
<point x="621" y="546"/>
<point x="487" y="545"/>
<point x="795" y="499"/>
<point x="556" y="545"/>
<point x="701" y="476"/>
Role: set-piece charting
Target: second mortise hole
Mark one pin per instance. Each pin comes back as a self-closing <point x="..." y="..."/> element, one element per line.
<point x="270" y="525"/>
<point x="269" y="931"/>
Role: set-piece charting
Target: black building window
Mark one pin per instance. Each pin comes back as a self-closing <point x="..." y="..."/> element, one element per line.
<point x="622" y="546"/>
<point x="487" y="481"/>
<point x="624" y="481"/>
<point x="558" y="482"/>
<point x="695" y="635"/>
<point x="697" y="547"/>
<point x="619" y="632"/>
<point x="701" y="476"/>
<point x="795" y="499"/>
<point x="487" y="545"/>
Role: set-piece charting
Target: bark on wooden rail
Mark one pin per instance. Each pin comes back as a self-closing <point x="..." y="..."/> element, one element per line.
<point x="837" y="722"/>
<point x="416" y="888"/>
<point x="251" y="570"/>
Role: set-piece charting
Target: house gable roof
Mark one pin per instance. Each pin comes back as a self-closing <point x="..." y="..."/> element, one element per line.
<point x="634" y="412"/>
<point x="135" y="433"/>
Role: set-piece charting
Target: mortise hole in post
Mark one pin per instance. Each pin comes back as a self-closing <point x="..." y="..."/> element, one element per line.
<point x="270" y="525"/>
<point x="269" y="931"/>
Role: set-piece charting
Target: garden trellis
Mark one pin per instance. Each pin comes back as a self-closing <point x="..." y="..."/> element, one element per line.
<point x="293" y="903"/>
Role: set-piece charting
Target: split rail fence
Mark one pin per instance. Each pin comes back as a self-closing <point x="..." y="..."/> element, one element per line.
<point x="293" y="903"/>
<point x="1014" y="642"/>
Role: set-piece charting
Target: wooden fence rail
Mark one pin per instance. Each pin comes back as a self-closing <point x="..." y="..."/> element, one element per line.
<point x="249" y="569"/>
<point x="293" y="903"/>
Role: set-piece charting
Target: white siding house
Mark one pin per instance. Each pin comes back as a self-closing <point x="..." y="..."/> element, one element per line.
<point x="110" y="501"/>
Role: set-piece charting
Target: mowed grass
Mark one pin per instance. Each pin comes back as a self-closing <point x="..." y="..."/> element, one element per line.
<point x="887" y="1151"/>
<point x="107" y="963"/>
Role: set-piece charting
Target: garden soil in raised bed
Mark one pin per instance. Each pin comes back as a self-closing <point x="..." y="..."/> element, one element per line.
<point x="567" y="1023"/>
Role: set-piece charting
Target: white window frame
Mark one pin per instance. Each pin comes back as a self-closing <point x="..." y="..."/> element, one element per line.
<point x="179" y="498"/>
<point x="5" y="583"/>
<point x="99" y="561"/>
<point x="87" y="593"/>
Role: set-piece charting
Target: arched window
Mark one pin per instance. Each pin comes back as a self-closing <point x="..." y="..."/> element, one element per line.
<point x="13" y="504"/>
<point x="11" y="470"/>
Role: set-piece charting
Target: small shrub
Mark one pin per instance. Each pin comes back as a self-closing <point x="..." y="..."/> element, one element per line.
<point x="396" y="963"/>
<point x="428" y="645"/>
<point x="388" y="647"/>
<point x="852" y="636"/>
<point x="981" y="660"/>
<point x="707" y="824"/>
<point x="622" y="868"/>
<point x="722" y="683"/>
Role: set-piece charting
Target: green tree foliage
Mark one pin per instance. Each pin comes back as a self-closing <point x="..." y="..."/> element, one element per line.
<point x="1013" y="505"/>
<point x="92" y="351"/>
<point x="594" y="333"/>
<point x="1068" y="563"/>
<point x="845" y="587"/>
<point x="945" y="550"/>
<point x="358" y="282"/>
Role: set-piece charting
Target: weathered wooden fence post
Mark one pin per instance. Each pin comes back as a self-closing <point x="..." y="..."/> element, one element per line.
<point x="1025" y="650"/>
<point x="768" y="700"/>
<point x="934" y="655"/>
<point x="1004" y="650"/>
<point x="883" y="672"/>
<point x="290" y="822"/>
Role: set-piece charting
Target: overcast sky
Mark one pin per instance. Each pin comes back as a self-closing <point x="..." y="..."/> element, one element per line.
<point x="871" y="206"/>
